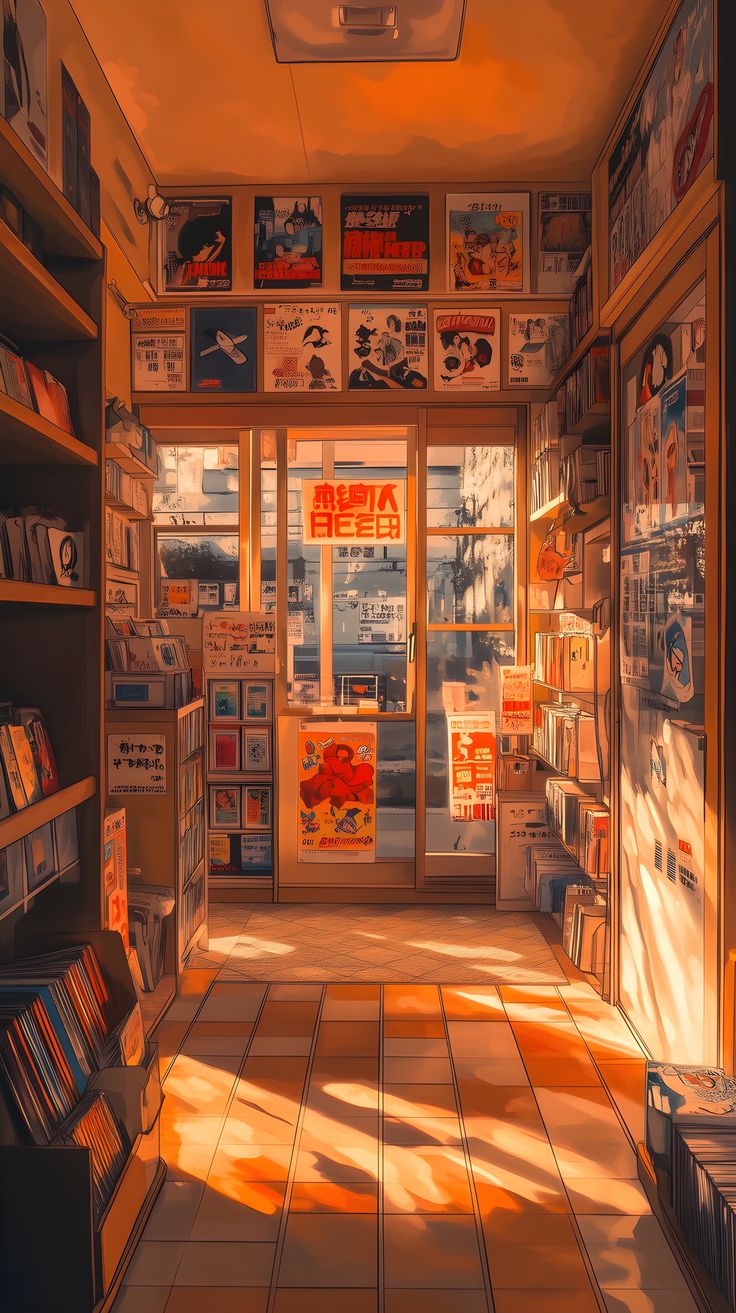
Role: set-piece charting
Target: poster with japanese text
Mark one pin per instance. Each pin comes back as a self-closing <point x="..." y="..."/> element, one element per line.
<point x="158" y="348"/>
<point x="337" y="791"/>
<point x="344" y="511"/>
<point x="385" y="243"/>
<point x="302" y="348"/>
<point x="564" y="237"/>
<point x="516" y="700"/>
<point x="467" y="355"/>
<point x="136" y="763"/>
<point x="488" y="242"/>
<point x="287" y="250"/>
<point x="238" y="641"/>
<point x="471" y="741"/>
<point x="538" y="346"/>
<point x="196" y="245"/>
<point x="387" y="347"/>
<point x="381" y="620"/>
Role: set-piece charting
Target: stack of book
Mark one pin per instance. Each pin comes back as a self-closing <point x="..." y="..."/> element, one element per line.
<point x="37" y="546"/>
<point x="565" y="737"/>
<point x="704" y="1199"/>
<point x="34" y="387"/>
<point x="95" y="1126"/>
<point x="581" y="301"/>
<point x="148" y="908"/>
<point x="191" y="839"/>
<point x="587" y="942"/>
<point x="125" y="488"/>
<point x="545" y="468"/>
<point x="582" y="823"/>
<point x="565" y="661"/>
<point x="684" y="1098"/>
<point x="587" y="386"/>
<point x="28" y="770"/>
<point x="121" y="426"/>
<point x="121" y="541"/>
<point x="585" y="474"/>
<point x="146" y="665"/>
<point x="192" y="907"/>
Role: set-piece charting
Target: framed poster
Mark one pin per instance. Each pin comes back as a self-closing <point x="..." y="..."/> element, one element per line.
<point x="223" y="349"/>
<point x="488" y="242"/>
<point x="385" y="243"/>
<point x="538" y="346"/>
<point x="564" y="233"/>
<point x="257" y="700"/>
<point x="158" y="349"/>
<point x="302" y="350"/>
<point x="238" y="641"/>
<point x="24" y="84"/>
<point x="337" y="789"/>
<point x="287" y="242"/>
<point x="256" y="854"/>
<point x="224" y="697"/>
<point x="195" y="252"/>
<point x="257" y="806"/>
<point x="256" y="754"/>
<point x="224" y="749"/>
<point x="224" y="806"/>
<point x="121" y="595"/>
<point x="467" y="350"/>
<point x="387" y="347"/>
<point x="667" y="139"/>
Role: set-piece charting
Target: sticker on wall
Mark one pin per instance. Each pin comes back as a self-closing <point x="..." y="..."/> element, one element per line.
<point x="472" y="757"/>
<point x="302" y="348"/>
<point x="23" y="85"/>
<point x="287" y="251"/>
<point x="538" y="345"/>
<point x="196" y="246"/>
<point x="467" y="356"/>
<point x="488" y="242"/>
<point x="385" y="243"/>
<point x="387" y="347"/>
<point x="223" y="349"/>
<point x="158" y="346"/>
<point x="564" y="237"/>
<point x="337" y="791"/>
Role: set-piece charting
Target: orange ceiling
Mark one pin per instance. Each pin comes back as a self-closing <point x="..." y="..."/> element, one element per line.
<point x="532" y="96"/>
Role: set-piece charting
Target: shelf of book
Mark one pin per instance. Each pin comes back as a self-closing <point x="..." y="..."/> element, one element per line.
<point x="64" y="233"/>
<point x="21" y="823"/>
<point x="596" y="420"/>
<point x="549" y="511"/>
<point x="28" y="438"/>
<point x="128" y="460"/>
<point x="35" y="305"/>
<point x="18" y="592"/>
<point x="125" y="509"/>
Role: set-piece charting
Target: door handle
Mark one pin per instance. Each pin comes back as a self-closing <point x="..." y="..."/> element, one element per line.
<point x="412" y="645"/>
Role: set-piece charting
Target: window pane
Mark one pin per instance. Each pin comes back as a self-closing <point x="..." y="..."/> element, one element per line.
<point x="196" y="485"/>
<point x="470" y="579"/>
<point x="395" y="790"/>
<point x="210" y="558"/>
<point x="470" y="487"/>
<point x="463" y="673"/>
<point x="303" y="574"/>
<point x="268" y="522"/>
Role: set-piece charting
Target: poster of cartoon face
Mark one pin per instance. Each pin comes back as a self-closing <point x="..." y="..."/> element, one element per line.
<point x="488" y="242"/>
<point x="387" y="348"/>
<point x="337" y="791"/>
<point x="538" y="346"/>
<point x="645" y="456"/>
<point x="196" y="246"/>
<point x="302" y="348"/>
<point x="467" y="350"/>
<point x="287" y="242"/>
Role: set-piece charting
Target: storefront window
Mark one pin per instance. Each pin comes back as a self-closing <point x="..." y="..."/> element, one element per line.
<point x="197" y="488"/>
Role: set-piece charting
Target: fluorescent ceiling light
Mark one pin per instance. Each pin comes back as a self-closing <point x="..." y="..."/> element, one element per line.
<point x="322" y="32"/>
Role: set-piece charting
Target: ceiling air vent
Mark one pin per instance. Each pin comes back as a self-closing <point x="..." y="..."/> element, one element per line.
<point x="322" y="32"/>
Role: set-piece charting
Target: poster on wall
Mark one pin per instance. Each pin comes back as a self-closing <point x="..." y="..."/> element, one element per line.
<point x="538" y="346"/>
<point x="337" y="791"/>
<point x="471" y="741"/>
<point x="488" y="242"/>
<point x="345" y="511"/>
<point x="675" y="498"/>
<point x="223" y="349"/>
<point x="235" y="641"/>
<point x="24" y="86"/>
<point x="158" y="346"/>
<point x="387" y="347"/>
<point x="564" y="232"/>
<point x="196" y="246"/>
<point x="516" y="700"/>
<point x="385" y="243"/>
<point x="381" y="620"/>
<point x="667" y="140"/>
<point x="302" y="348"/>
<point x="287" y="250"/>
<point x="467" y="355"/>
<point x="136" y="763"/>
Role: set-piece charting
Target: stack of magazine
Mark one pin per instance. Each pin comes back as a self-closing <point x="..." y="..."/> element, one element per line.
<point x="38" y="547"/>
<point x="34" y="387"/>
<point x="95" y="1127"/>
<point x="148" y="908"/>
<point x="146" y="665"/>
<point x="28" y="770"/>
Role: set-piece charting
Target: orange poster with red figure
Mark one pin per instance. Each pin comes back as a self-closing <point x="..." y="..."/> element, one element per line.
<point x="472" y="754"/>
<point x="337" y="791"/>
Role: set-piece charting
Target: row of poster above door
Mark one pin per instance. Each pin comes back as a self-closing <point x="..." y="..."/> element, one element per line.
<point x="214" y="349"/>
<point x="384" y="243"/>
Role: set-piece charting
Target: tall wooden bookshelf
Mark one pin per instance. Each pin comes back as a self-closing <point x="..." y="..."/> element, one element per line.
<point x="51" y="654"/>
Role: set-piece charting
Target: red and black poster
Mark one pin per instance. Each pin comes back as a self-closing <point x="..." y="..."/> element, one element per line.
<point x="385" y="243"/>
<point x="196" y="253"/>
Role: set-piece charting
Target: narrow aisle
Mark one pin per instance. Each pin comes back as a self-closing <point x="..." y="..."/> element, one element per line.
<point x="413" y="1147"/>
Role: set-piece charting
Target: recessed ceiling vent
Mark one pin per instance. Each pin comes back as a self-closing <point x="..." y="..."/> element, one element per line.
<point x="321" y="32"/>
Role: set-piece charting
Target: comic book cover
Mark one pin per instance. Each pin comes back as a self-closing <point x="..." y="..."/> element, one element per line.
<point x="302" y="348"/>
<point x="564" y="237"/>
<point x="287" y="242"/>
<point x="24" y="87"/>
<point x="223" y="349"/>
<point x="538" y="346"/>
<point x="467" y="354"/>
<point x="388" y="347"/>
<point x="337" y="791"/>
<point x="488" y="242"/>
<point x="196" y="246"/>
<point x="674" y="450"/>
<point x="385" y="243"/>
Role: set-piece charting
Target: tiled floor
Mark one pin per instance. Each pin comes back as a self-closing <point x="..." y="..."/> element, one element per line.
<point x="378" y="943"/>
<point x="405" y="1148"/>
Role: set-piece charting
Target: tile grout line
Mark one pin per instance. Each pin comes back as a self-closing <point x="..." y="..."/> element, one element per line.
<point x="477" y="1218"/>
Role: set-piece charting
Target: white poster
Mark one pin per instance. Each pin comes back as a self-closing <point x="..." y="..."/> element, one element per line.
<point x="235" y="641"/>
<point x="381" y="620"/>
<point x="521" y="820"/>
<point x="467" y="350"/>
<point x="136" y="763"/>
<point x="538" y="346"/>
<point x="387" y="347"/>
<point x="158" y="346"/>
<point x="302" y="348"/>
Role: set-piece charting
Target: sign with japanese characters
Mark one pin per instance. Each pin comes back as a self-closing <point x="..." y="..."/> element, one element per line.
<point x="381" y="620"/>
<point x="339" y="511"/>
<point x="516" y="700"/>
<point x="472" y="759"/>
<point x="136" y="763"/>
<point x="337" y="791"/>
<point x="235" y="641"/>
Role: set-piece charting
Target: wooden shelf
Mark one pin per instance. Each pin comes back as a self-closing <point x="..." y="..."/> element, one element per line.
<point x="30" y="818"/>
<point x="596" y="420"/>
<point x="125" y="509"/>
<point x="549" y="511"/>
<point x="34" y="305"/>
<point x="64" y="233"/>
<point x="28" y="439"/>
<point x="588" y="515"/>
<point x="584" y="695"/>
<point x="23" y="594"/>
<point x="118" y="451"/>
